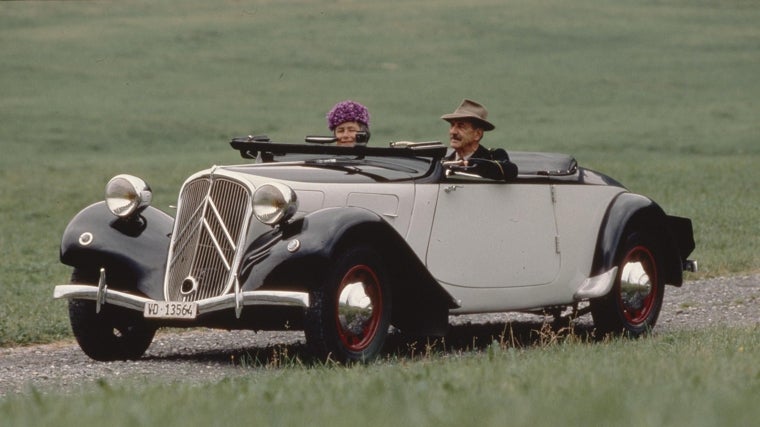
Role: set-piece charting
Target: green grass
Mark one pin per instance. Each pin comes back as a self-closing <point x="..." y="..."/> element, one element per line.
<point x="661" y="95"/>
<point x="703" y="378"/>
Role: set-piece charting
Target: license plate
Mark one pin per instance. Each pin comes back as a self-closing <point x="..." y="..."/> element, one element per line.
<point x="171" y="310"/>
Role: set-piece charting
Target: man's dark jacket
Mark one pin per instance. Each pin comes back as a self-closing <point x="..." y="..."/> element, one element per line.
<point x="497" y="165"/>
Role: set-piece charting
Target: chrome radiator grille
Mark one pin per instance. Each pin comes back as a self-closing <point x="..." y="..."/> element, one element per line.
<point x="211" y="222"/>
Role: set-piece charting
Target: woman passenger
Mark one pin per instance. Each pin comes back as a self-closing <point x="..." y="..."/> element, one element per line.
<point x="347" y="118"/>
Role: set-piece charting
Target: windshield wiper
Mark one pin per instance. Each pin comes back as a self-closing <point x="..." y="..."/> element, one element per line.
<point x="350" y="169"/>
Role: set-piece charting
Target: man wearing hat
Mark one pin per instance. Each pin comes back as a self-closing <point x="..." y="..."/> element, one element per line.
<point x="467" y="125"/>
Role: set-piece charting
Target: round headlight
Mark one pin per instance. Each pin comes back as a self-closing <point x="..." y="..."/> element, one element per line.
<point x="127" y="195"/>
<point x="274" y="203"/>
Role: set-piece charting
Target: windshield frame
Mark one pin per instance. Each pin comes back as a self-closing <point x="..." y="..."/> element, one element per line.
<point x="420" y="163"/>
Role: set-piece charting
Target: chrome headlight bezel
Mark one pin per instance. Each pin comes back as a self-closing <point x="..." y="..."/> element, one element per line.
<point x="127" y="195"/>
<point x="274" y="203"/>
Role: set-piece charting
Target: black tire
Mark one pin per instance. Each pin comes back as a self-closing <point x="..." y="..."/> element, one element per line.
<point x="633" y="305"/>
<point x="115" y="333"/>
<point x="351" y="328"/>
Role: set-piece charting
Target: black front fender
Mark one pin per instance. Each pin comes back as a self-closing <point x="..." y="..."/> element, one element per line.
<point x="299" y="256"/>
<point x="133" y="252"/>
<point x="296" y="256"/>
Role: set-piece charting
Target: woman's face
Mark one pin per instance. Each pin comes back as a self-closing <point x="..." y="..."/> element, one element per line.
<point x="346" y="133"/>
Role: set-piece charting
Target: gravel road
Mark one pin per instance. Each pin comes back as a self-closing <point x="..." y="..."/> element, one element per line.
<point x="208" y="355"/>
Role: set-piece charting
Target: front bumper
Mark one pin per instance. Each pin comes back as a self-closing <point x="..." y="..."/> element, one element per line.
<point x="236" y="300"/>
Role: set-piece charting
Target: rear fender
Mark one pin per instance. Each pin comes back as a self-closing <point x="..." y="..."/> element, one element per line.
<point x="630" y="212"/>
<point x="133" y="252"/>
<point x="299" y="255"/>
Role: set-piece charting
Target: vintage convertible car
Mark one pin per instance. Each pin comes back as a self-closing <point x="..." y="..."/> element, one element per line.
<point x="344" y="242"/>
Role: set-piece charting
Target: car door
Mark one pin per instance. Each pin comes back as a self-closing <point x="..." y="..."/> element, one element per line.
<point x="488" y="234"/>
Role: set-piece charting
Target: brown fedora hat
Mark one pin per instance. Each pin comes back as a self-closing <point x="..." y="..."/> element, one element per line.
<point x="471" y="110"/>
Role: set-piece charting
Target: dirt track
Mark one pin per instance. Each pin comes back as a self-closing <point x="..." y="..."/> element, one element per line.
<point x="207" y="355"/>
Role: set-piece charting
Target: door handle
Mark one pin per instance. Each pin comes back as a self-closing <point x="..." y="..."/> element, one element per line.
<point x="451" y="188"/>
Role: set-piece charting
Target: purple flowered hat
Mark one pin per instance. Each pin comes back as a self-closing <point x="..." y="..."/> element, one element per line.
<point x="347" y="111"/>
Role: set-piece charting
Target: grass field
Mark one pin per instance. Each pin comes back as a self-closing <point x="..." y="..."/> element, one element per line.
<point x="704" y="378"/>
<point x="662" y="95"/>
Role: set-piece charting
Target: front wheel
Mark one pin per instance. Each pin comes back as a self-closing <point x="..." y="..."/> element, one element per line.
<point x="349" y="312"/>
<point x="633" y="305"/>
<point x="115" y="333"/>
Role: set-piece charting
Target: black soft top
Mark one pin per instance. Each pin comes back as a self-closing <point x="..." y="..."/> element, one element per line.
<point x="546" y="164"/>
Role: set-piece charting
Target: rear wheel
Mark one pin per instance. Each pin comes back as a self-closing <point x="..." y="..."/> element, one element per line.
<point x="633" y="305"/>
<point x="115" y="333"/>
<point x="349" y="313"/>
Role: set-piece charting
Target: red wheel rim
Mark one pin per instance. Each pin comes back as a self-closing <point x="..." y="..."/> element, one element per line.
<point x="639" y="284"/>
<point x="358" y="308"/>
